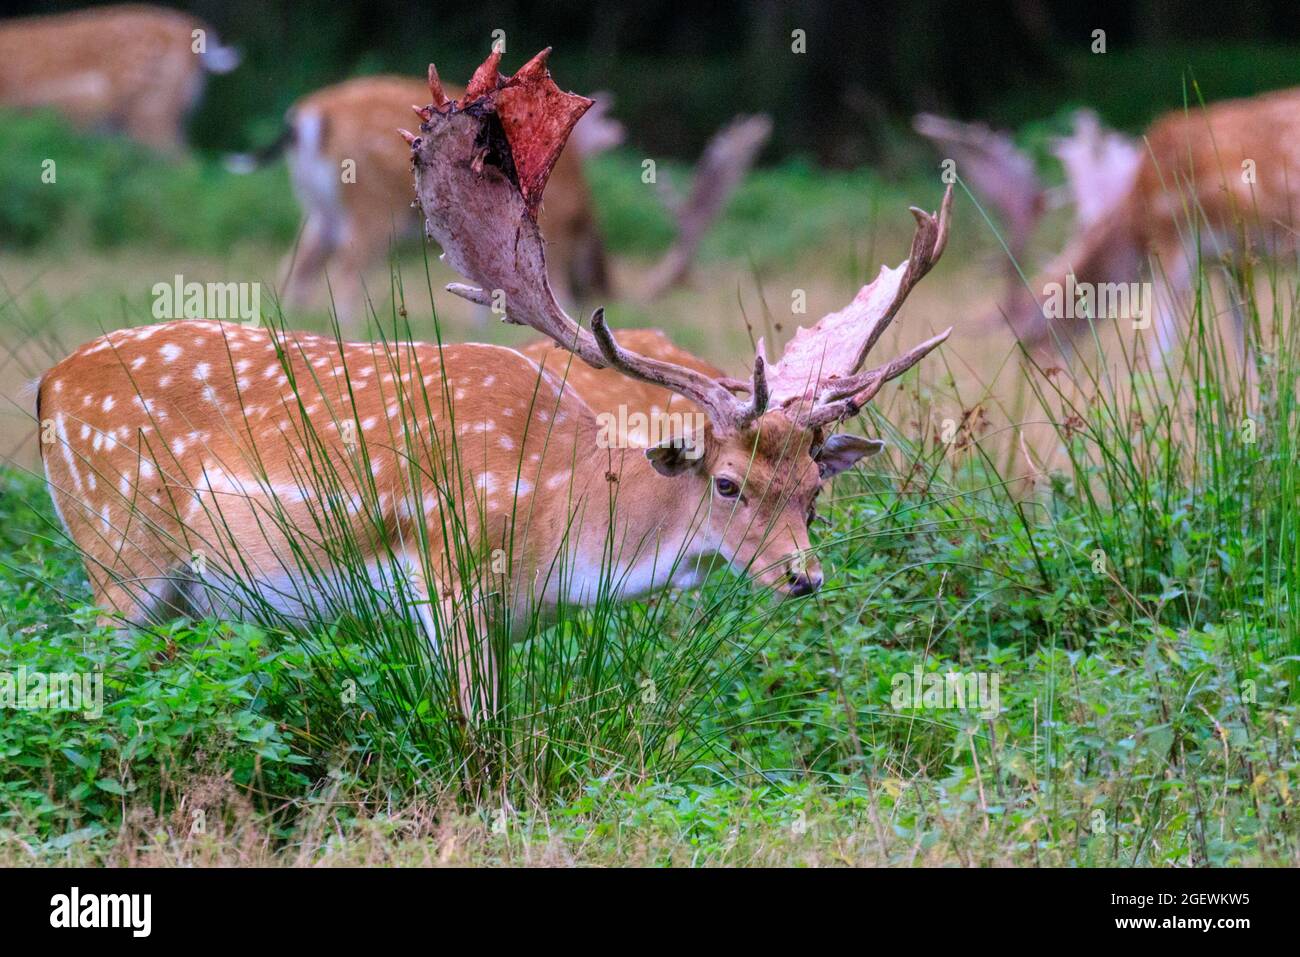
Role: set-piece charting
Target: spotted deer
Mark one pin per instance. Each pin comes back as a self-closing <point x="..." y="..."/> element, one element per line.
<point x="199" y="438"/>
<point x="137" y="70"/>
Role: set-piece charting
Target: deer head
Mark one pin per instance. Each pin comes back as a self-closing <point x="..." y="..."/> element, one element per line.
<point x="481" y="165"/>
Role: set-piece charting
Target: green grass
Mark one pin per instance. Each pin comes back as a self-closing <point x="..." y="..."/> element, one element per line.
<point x="106" y="192"/>
<point x="1147" y="696"/>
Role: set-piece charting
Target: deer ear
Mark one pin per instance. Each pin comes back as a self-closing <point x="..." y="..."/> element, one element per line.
<point x="675" y="456"/>
<point x="843" y="451"/>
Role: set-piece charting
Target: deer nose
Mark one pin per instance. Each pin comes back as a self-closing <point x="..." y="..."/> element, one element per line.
<point x="803" y="581"/>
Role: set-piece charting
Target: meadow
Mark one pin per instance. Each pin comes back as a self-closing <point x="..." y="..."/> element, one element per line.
<point x="1111" y="545"/>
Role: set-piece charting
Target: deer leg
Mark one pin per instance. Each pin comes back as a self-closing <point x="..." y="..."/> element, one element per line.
<point x="457" y="635"/>
<point x="1171" y="283"/>
<point x="347" y="272"/>
<point x="588" y="270"/>
<point x="471" y="656"/>
<point x="304" y="264"/>
<point x="117" y="603"/>
<point x="160" y="128"/>
<point x="1239" y="292"/>
<point x="139" y="602"/>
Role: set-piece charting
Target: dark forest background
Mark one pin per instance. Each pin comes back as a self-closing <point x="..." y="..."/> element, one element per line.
<point x="678" y="70"/>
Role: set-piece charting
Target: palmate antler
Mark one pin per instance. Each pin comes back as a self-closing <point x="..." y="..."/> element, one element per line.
<point x="729" y="155"/>
<point x="1000" y="172"/>
<point x="817" y="379"/>
<point x="481" y="165"/>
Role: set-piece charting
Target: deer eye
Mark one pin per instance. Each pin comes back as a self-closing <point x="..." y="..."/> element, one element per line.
<point x="726" y="487"/>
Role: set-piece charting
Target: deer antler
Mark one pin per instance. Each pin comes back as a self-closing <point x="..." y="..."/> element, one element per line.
<point x="481" y="165"/>
<point x="1100" y="165"/>
<point x="817" y="379"/>
<point x="728" y="156"/>
<point x="598" y="131"/>
<point x="998" y="170"/>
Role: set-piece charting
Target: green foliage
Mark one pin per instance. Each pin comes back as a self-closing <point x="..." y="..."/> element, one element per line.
<point x="108" y="191"/>
<point x="177" y="703"/>
<point x="775" y="217"/>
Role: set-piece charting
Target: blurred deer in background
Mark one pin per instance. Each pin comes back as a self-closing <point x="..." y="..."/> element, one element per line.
<point x="1204" y="184"/>
<point x="133" y="69"/>
<point x="1001" y="174"/>
<point x="353" y="180"/>
<point x="354" y="183"/>
<point x="186" y="436"/>
<point x="1099" y="164"/>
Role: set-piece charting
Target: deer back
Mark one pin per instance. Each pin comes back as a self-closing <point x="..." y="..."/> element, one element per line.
<point x="130" y="67"/>
<point x="203" y="435"/>
<point x="347" y="129"/>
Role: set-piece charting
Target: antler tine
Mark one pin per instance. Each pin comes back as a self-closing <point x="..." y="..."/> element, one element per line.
<point x="928" y="244"/>
<point x="479" y="184"/>
<point x="848" y="398"/>
<point x="708" y="393"/>
<point x="821" y="356"/>
<point x="759" y="394"/>
<point x="817" y="379"/>
<point x="1000" y="173"/>
<point x="435" y="87"/>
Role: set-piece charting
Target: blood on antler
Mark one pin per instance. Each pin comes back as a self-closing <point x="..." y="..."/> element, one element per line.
<point x="481" y="165"/>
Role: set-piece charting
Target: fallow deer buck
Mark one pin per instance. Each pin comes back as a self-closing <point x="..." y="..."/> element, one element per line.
<point x="194" y="437"/>
<point x="133" y="69"/>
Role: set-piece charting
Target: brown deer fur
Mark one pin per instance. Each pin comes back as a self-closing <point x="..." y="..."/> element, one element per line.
<point x="185" y="458"/>
<point x="130" y="69"/>
<point x="1189" y="186"/>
